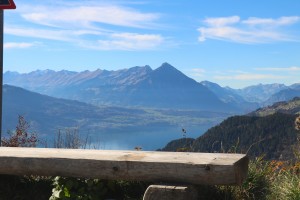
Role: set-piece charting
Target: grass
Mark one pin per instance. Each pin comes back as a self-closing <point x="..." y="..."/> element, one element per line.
<point x="267" y="180"/>
<point x="287" y="187"/>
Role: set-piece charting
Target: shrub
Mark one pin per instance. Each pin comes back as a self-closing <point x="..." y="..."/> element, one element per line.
<point x="24" y="187"/>
<point x="258" y="183"/>
<point x="21" y="137"/>
<point x="95" y="189"/>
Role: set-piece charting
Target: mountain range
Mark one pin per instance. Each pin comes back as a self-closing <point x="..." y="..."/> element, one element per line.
<point x="164" y="87"/>
<point x="129" y="100"/>
<point x="230" y="96"/>
<point x="284" y="95"/>
<point x="256" y="95"/>
<point x="261" y="92"/>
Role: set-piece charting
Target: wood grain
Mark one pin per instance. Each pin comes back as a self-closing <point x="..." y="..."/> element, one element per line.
<point x="175" y="167"/>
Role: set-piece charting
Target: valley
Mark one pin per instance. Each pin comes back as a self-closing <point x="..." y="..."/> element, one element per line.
<point x="107" y="126"/>
<point x="131" y="107"/>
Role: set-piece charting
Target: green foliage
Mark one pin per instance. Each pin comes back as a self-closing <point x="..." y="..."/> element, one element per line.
<point x="257" y="186"/>
<point x="131" y="190"/>
<point x="258" y="183"/>
<point x="73" y="188"/>
<point x="267" y="180"/>
<point x="95" y="189"/>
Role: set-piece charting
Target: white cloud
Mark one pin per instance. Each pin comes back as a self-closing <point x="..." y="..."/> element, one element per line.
<point x="88" y="16"/>
<point x="285" y="69"/>
<point x="237" y="35"/>
<point x="21" y="45"/>
<point x="197" y="72"/>
<point x="60" y="35"/>
<point x="97" y="26"/>
<point x="129" y="41"/>
<point x="246" y="31"/>
<point x="272" y="22"/>
<point x="113" y="41"/>
<point x="221" y="21"/>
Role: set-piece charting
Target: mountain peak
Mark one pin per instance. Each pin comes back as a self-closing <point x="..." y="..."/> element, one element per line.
<point x="145" y="68"/>
<point x="166" y="68"/>
<point x="209" y="84"/>
<point x="7" y="73"/>
<point x="167" y="65"/>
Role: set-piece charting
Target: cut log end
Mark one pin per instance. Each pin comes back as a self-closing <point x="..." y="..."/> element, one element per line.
<point x="174" y="192"/>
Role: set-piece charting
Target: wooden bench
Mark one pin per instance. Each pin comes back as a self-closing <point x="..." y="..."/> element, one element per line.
<point x="159" y="167"/>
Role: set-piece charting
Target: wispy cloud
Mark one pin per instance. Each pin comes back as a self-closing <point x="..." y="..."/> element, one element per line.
<point x="282" y="21"/>
<point x="87" y="16"/>
<point x="21" y="45"/>
<point x="98" y="26"/>
<point x="197" y="72"/>
<point x="283" y="69"/>
<point x="249" y="31"/>
<point x="221" y="21"/>
<point x="60" y="35"/>
<point x="127" y="41"/>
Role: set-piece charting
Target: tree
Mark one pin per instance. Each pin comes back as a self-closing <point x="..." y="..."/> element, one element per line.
<point x="21" y="137"/>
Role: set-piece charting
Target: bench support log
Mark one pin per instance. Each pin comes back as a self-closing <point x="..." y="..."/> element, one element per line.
<point x="171" y="192"/>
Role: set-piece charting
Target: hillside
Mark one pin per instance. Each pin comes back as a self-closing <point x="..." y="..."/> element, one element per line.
<point x="268" y="131"/>
<point x="288" y="107"/>
<point x="272" y="136"/>
<point x="164" y="87"/>
<point x="48" y="114"/>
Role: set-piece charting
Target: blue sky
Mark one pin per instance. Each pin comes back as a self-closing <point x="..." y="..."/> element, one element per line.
<point x="233" y="43"/>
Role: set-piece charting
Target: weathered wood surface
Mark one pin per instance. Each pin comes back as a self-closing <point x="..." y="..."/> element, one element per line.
<point x="171" y="192"/>
<point x="181" y="167"/>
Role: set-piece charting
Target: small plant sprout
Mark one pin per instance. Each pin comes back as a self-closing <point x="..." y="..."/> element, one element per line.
<point x="138" y="148"/>
<point x="183" y="132"/>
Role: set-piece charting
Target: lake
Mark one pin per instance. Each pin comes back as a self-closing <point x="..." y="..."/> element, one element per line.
<point x="148" y="141"/>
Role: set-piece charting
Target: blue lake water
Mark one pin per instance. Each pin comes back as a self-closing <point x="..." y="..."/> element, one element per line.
<point x="148" y="141"/>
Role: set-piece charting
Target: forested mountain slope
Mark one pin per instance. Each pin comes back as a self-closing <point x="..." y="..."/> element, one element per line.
<point x="268" y="131"/>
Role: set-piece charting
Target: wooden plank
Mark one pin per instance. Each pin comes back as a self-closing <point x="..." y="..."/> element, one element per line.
<point x="182" y="167"/>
